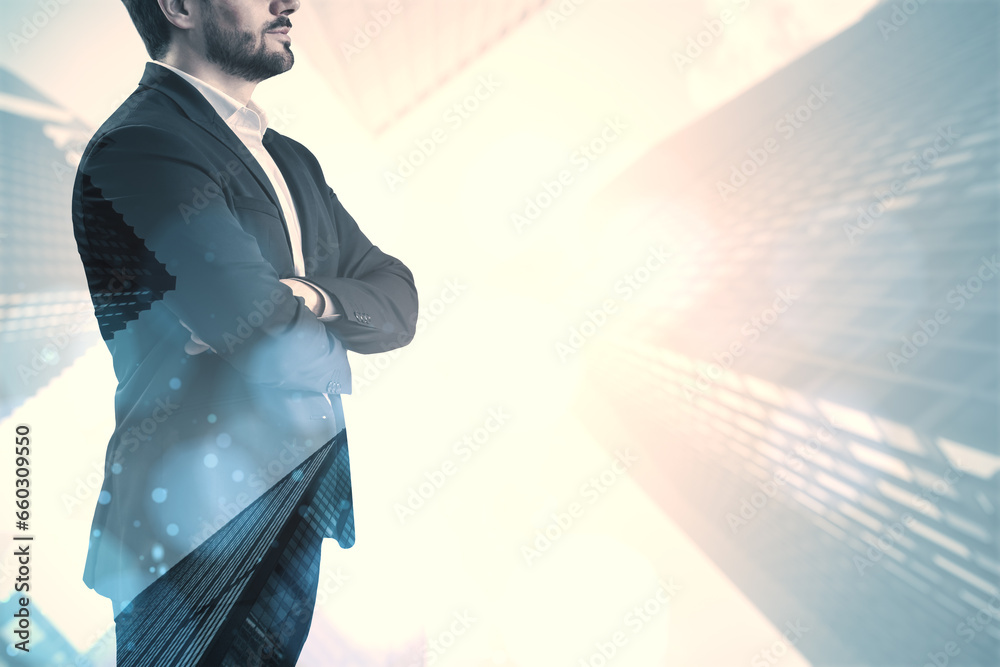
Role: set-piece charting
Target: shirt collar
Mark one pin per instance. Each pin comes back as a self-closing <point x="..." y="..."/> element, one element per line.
<point x="248" y="117"/>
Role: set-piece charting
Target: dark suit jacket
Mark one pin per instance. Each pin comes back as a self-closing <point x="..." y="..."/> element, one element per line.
<point x="176" y="222"/>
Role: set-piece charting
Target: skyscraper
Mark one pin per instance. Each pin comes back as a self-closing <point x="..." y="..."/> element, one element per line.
<point x="45" y="319"/>
<point x="816" y="378"/>
<point x="213" y="603"/>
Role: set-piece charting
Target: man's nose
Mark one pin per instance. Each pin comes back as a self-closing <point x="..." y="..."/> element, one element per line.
<point x="286" y="7"/>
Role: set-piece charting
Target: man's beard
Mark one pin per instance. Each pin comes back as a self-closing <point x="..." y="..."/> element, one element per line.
<point x="232" y="50"/>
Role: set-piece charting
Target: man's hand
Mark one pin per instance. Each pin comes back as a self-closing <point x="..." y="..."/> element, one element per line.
<point x="314" y="301"/>
<point x="195" y="345"/>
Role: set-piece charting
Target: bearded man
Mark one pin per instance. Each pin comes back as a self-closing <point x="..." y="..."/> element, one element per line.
<point x="228" y="281"/>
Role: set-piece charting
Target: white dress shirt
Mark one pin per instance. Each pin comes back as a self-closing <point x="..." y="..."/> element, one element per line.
<point x="249" y="122"/>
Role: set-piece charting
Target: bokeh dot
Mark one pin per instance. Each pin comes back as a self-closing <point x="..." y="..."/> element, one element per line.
<point x="159" y="495"/>
<point x="172" y="529"/>
<point x="210" y="460"/>
<point x="175" y="383"/>
<point x="104" y="498"/>
<point x="223" y="440"/>
<point x="212" y="418"/>
<point x="116" y="468"/>
<point x="237" y="475"/>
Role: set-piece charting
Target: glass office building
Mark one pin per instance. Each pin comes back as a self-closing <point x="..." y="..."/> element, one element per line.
<point x="45" y="318"/>
<point x="213" y="606"/>
<point x="816" y="377"/>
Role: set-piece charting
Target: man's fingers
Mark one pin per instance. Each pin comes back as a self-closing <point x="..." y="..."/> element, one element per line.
<point x="194" y="347"/>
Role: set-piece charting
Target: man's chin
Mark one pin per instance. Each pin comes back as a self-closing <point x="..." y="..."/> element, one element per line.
<point x="287" y="57"/>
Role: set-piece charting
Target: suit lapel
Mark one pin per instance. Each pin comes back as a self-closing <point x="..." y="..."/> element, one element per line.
<point x="198" y="109"/>
<point x="226" y="135"/>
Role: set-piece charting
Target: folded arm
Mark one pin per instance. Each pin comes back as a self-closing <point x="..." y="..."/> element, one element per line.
<point x="226" y="293"/>
<point x="373" y="292"/>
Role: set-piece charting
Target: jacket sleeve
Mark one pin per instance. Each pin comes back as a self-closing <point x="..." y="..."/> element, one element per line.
<point x="374" y="291"/>
<point x="159" y="188"/>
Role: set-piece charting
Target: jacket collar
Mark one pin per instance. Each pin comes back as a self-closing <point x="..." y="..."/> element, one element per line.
<point x="194" y="105"/>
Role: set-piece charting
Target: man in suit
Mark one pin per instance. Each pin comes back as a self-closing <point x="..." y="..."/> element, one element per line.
<point x="228" y="281"/>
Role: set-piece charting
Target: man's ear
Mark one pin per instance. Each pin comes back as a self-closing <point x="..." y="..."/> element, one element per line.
<point x="179" y="12"/>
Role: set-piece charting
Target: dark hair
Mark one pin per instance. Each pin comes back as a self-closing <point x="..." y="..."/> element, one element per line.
<point x="153" y="26"/>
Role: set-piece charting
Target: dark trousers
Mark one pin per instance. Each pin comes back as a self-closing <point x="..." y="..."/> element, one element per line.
<point x="277" y="621"/>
